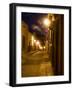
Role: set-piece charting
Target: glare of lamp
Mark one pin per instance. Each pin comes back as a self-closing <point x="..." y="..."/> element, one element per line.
<point x="44" y="47"/>
<point x="46" y="22"/>
<point x="34" y="40"/>
<point x="37" y="43"/>
<point x="41" y="47"/>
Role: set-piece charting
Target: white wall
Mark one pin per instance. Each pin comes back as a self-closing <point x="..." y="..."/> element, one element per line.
<point x="4" y="44"/>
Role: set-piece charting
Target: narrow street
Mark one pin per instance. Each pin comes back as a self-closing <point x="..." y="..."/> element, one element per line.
<point x="42" y="51"/>
<point x="36" y="63"/>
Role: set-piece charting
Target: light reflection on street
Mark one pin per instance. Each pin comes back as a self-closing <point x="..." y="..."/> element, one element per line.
<point x="42" y="44"/>
<point x="37" y="64"/>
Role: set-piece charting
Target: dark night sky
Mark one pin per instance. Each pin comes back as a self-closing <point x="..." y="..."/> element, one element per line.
<point x="31" y="19"/>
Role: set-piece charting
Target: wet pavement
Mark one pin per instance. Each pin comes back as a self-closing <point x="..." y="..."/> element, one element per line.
<point x="36" y="64"/>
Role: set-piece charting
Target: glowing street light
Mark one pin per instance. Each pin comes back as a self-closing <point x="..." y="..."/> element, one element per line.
<point x="46" y="22"/>
<point x="37" y="43"/>
<point x="40" y="47"/>
<point x="34" y="41"/>
<point x="44" y="47"/>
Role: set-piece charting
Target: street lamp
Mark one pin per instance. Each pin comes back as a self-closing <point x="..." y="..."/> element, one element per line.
<point x="40" y="47"/>
<point x="37" y="43"/>
<point x="44" y="47"/>
<point x="46" y="22"/>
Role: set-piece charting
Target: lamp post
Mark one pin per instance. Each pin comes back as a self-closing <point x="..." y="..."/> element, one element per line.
<point x="47" y="24"/>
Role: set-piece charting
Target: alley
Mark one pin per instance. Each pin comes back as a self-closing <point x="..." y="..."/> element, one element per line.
<point x="37" y="64"/>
